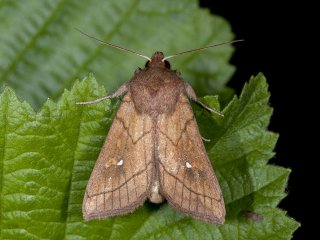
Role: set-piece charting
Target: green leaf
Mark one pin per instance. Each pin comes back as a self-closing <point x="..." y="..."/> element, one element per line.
<point x="46" y="159"/>
<point x="42" y="54"/>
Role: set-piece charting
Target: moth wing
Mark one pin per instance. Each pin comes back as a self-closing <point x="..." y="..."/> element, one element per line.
<point x="120" y="180"/>
<point x="186" y="177"/>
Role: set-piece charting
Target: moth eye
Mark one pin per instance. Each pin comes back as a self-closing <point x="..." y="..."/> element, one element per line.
<point x="167" y="64"/>
<point x="147" y="64"/>
<point x="137" y="70"/>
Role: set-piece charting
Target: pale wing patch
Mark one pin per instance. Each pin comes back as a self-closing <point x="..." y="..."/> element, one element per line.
<point x="186" y="176"/>
<point x="120" y="180"/>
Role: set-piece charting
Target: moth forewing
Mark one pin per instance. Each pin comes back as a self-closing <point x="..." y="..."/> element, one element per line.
<point x="120" y="180"/>
<point x="186" y="176"/>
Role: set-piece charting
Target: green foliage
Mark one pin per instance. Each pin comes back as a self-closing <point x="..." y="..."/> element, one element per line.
<point x="46" y="159"/>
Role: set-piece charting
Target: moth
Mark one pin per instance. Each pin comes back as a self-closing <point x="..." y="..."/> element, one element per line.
<point x="154" y="150"/>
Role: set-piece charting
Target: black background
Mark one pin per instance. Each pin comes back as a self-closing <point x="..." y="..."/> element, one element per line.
<point x="273" y="45"/>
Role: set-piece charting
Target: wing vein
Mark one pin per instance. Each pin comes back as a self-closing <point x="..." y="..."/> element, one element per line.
<point x="191" y="190"/>
<point x="144" y="149"/>
<point x="131" y="138"/>
<point x="184" y="128"/>
<point x="114" y="189"/>
<point x="124" y="173"/>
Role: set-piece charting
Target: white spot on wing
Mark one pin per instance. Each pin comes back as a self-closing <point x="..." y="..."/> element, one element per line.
<point x="188" y="165"/>
<point x="120" y="163"/>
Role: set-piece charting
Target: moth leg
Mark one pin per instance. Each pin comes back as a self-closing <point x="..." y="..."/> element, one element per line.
<point x="121" y="90"/>
<point x="192" y="95"/>
<point x="205" y="139"/>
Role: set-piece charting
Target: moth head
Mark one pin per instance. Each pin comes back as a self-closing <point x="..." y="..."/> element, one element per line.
<point x="158" y="60"/>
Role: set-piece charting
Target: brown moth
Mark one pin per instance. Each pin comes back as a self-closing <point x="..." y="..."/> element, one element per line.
<point x="154" y="150"/>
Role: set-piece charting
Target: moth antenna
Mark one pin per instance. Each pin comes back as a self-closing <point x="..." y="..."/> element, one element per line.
<point x="200" y="49"/>
<point x="93" y="101"/>
<point x="113" y="45"/>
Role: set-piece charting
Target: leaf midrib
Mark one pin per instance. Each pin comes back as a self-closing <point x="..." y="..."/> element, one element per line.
<point x="5" y="122"/>
<point x="67" y="205"/>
